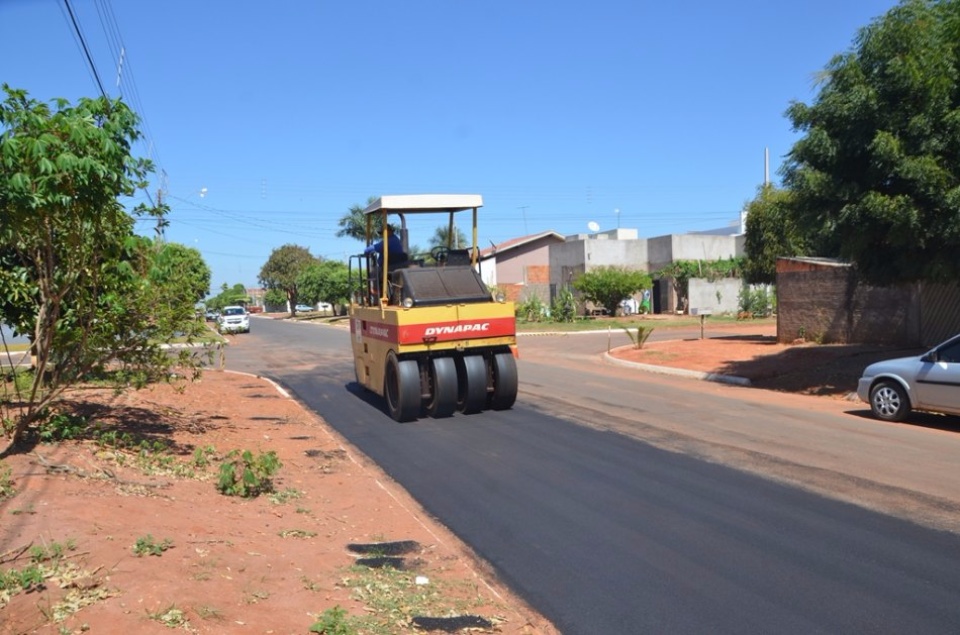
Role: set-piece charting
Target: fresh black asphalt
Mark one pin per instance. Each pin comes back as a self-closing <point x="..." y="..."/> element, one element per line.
<point x="605" y="534"/>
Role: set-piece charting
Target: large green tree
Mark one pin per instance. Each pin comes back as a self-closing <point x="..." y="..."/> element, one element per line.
<point x="282" y="269"/>
<point x="182" y="271"/>
<point x="237" y="294"/>
<point x="770" y="233"/>
<point x="326" y="281"/>
<point x="77" y="275"/>
<point x="876" y="176"/>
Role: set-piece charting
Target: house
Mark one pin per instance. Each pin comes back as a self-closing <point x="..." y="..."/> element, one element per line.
<point x="580" y="253"/>
<point x="520" y="266"/>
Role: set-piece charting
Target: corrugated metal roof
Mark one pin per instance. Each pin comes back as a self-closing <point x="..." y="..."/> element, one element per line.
<point x="513" y="243"/>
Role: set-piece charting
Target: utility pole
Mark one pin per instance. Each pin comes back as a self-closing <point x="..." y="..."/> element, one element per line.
<point x="161" y="224"/>
<point x="523" y="210"/>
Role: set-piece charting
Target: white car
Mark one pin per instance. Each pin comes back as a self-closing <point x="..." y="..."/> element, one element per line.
<point x="928" y="382"/>
<point x="233" y="319"/>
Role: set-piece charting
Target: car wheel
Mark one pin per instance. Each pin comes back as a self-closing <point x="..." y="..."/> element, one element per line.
<point x="889" y="401"/>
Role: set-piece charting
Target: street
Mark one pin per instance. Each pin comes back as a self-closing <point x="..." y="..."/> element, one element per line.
<point x="618" y="502"/>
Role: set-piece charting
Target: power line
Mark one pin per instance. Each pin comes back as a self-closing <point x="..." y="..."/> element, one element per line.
<point x="86" y="50"/>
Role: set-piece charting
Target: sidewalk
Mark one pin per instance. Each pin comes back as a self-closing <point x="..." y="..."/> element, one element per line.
<point x="757" y="359"/>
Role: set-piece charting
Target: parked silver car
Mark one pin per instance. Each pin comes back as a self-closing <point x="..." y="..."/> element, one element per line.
<point x="928" y="382"/>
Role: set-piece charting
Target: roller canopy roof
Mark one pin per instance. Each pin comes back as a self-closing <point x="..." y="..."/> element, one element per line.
<point x="414" y="203"/>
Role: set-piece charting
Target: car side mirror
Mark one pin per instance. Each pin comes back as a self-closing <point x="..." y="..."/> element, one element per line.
<point x="930" y="357"/>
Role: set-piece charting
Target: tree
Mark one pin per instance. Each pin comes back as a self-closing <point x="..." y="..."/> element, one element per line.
<point x="442" y="237"/>
<point x="283" y="268"/>
<point x="876" y="176"/>
<point x="182" y="271"/>
<point x="770" y="233"/>
<point x="326" y="281"/>
<point x="608" y="286"/>
<point x="76" y="273"/>
<point x="228" y="296"/>
<point x="354" y="223"/>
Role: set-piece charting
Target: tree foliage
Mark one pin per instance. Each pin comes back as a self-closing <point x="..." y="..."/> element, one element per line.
<point x="325" y="281"/>
<point x="770" y="233"/>
<point x="608" y="286"/>
<point x="182" y="271"/>
<point x="353" y="224"/>
<point x="443" y="237"/>
<point x="283" y="268"/>
<point x="228" y="296"/>
<point x="75" y="276"/>
<point x="876" y="176"/>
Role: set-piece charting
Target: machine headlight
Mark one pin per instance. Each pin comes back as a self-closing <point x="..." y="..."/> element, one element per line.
<point x="408" y="303"/>
<point x="500" y="297"/>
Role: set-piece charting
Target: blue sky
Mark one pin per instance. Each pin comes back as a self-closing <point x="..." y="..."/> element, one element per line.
<point x="269" y="120"/>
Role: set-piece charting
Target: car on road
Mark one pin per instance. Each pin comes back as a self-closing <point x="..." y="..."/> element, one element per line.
<point x="929" y="382"/>
<point x="212" y="315"/>
<point x="233" y="319"/>
<point x="304" y="308"/>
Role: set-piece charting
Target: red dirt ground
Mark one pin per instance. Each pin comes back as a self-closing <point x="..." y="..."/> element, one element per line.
<point x="752" y="352"/>
<point x="235" y="565"/>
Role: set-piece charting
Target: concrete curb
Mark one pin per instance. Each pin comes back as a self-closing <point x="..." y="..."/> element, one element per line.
<point x="678" y="372"/>
<point x="280" y="389"/>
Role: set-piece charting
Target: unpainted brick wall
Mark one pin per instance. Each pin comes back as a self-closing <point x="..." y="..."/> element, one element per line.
<point x="537" y="274"/>
<point x="827" y="305"/>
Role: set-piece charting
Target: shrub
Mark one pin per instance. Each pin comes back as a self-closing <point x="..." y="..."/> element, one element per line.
<point x="643" y="332"/>
<point x="332" y="622"/>
<point x="564" y="307"/>
<point x="62" y="427"/>
<point x="242" y="474"/>
<point x="146" y="545"/>
<point x="756" y="301"/>
<point x="7" y="485"/>
<point x="532" y="309"/>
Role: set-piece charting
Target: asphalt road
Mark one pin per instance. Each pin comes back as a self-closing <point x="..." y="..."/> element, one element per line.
<point x="607" y="499"/>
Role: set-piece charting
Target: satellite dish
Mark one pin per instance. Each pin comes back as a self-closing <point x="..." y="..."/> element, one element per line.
<point x="593" y="226"/>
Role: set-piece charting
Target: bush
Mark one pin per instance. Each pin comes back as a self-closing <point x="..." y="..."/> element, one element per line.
<point x="756" y="301"/>
<point x="607" y="286"/>
<point x="641" y="336"/>
<point x="242" y="474"/>
<point x="564" y="307"/>
<point x="532" y="309"/>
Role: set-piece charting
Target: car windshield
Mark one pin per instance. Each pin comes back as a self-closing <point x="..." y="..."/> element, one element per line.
<point x="233" y="311"/>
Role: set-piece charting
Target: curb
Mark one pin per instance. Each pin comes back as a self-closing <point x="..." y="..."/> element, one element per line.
<point x="280" y="389"/>
<point x="679" y="372"/>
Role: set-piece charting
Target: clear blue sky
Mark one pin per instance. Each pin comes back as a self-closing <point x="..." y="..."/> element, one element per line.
<point x="558" y="113"/>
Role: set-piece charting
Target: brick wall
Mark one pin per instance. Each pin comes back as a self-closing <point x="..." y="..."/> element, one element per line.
<point x="826" y="304"/>
<point x="537" y="274"/>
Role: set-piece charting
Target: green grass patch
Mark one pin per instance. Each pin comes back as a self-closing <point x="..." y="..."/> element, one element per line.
<point x="392" y="598"/>
<point x="147" y="546"/>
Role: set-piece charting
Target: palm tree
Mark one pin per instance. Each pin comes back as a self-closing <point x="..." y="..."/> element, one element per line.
<point x="354" y="223"/>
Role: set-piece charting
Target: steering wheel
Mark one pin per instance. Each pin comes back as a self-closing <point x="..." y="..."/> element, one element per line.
<point x="439" y="254"/>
